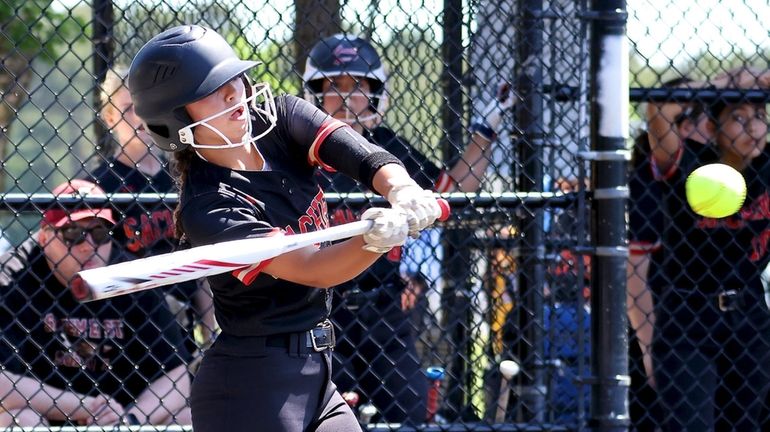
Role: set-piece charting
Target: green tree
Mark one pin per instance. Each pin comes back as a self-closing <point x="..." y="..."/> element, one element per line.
<point x="32" y="30"/>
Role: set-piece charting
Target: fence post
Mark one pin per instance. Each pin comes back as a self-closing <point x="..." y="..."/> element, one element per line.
<point x="609" y="130"/>
<point x="529" y="119"/>
<point x="456" y="296"/>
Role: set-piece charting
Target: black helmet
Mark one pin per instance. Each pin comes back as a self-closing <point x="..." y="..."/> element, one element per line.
<point x="344" y="54"/>
<point x="177" y="67"/>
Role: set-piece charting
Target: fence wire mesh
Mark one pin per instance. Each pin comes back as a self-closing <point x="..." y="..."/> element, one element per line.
<point x="484" y="321"/>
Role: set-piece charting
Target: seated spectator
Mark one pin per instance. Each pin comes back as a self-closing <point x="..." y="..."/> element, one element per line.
<point x="125" y="354"/>
<point x="146" y="229"/>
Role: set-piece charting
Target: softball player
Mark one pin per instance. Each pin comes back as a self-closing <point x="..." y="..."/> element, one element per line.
<point x="246" y="164"/>
<point x="345" y="76"/>
<point x="712" y="329"/>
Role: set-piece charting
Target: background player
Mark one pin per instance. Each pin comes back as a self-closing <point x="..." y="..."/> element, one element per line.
<point x="346" y="77"/>
<point x="144" y="229"/>
<point x="712" y="327"/>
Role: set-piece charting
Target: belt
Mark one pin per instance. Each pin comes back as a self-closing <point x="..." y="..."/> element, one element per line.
<point x="319" y="338"/>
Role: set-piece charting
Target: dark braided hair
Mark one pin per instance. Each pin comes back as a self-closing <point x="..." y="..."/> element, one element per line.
<point x="180" y="167"/>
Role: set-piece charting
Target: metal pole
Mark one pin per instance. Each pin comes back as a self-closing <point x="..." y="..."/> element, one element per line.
<point x="456" y="295"/>
<point x="609" y="131"/>
<point x="104" y="52"/>
<point x="529" y="118"/>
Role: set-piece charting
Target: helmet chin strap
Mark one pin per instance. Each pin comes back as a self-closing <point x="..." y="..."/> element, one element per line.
<point x="249" y="106"/>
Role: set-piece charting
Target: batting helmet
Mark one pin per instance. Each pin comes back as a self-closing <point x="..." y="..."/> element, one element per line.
<point x="175" y="68"/>
<point x="344" y="54"/>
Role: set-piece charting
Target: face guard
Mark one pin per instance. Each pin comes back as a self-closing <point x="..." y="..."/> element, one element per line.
<point x="259" y="102"/>
<point x="373" y="102"/>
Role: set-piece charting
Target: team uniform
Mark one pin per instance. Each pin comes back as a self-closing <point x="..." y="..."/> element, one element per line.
<point x="143" y="229"/>
<point x="712" y="324"/>
<point x="276" y="337"/>
<point x="377" y="355"/>
<point x="115" y="347"/>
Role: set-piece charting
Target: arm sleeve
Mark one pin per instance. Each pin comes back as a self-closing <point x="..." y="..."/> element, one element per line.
<point x="333" y="145"/>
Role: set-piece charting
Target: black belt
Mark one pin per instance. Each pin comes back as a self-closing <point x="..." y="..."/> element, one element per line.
<point x="319" y="338"/>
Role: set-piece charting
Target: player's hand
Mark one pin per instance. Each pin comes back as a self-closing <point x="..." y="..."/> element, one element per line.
<point x="492" y="114"/>
<point x="103" y="410"/>
<point x="419" y="204"/>
<point x="389" y="230"/>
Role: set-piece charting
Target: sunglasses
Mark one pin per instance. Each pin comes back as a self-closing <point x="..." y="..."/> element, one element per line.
<point x="76" y="234"/>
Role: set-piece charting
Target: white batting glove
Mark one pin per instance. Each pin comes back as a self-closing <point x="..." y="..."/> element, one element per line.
<point x="420" y="205"/>
<point x="492" y="114"/>
<point x="388" y="231"/>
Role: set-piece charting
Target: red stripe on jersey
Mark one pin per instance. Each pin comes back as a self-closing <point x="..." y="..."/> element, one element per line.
<point x="313" y="155"/>
<point x="643" y="248"/>
<point x="444" y="183"/>
<point x="248" y="274"/>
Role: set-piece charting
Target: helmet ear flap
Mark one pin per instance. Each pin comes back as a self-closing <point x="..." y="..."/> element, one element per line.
<point x="160" y="130"/>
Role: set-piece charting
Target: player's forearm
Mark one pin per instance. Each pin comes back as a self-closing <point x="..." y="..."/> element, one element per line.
<point x="164" y="397"/>
<point x="389" y="176"/>
<point x="323" y="268"/>
<point x="665" y="142"/>
<point x="640" y="305"/>
<point x="469" y="171"/>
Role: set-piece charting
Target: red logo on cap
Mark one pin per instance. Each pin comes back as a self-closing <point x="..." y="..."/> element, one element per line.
<point x="345" y="54"/>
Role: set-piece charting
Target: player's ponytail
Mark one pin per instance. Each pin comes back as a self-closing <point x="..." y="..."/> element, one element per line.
<point x="181" y="167"/>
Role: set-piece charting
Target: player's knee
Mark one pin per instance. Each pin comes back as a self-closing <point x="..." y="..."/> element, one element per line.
<point x="181" y="417"/>
<point x="22" y="417"/>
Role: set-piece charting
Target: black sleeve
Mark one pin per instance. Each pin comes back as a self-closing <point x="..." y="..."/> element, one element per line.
<point x="332" y="144"/>
<point x="217" y="217"/>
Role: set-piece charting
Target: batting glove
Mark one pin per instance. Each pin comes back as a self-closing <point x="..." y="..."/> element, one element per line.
<point x="388" y="231"/>
<point x="492" y="114"/>
<point x="419" y="204"/>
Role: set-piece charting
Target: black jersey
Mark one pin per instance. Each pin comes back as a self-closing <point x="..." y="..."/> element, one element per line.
<point x="711" y="254"/>
<point x="143" y="229"/>
<point x="425" y="173"/>
<point x="119" y="345"/>
<point x="220" y="204"/>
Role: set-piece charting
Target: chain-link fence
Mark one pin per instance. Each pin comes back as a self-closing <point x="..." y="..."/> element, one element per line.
<point x="504" y="317"/>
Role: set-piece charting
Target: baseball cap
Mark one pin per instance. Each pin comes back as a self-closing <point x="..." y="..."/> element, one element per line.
<point x="58" y="217"/>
